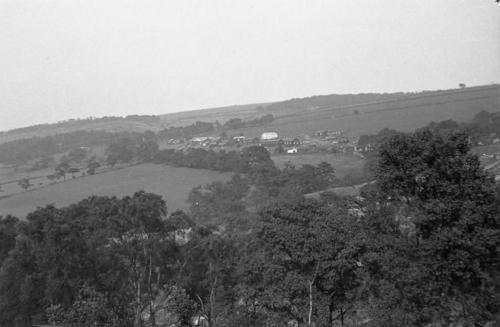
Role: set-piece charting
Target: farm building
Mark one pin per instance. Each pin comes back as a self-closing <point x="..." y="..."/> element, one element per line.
<point x="175" y="141"/>
<point x="269" y="136"/>
<point x="239" y="139"/>
<point x="290" y="141"/>
<point x="327" y="133"/>
<point x="205" y="140"/>
<point x="286" y="141"/>
<point x="272" y="142"/>
<point x="198" y="140"/>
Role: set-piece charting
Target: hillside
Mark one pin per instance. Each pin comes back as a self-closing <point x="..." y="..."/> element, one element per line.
<point x="354" y="113"/>
<point x="106" y="124"/>
<point x="221" y="114"/>
<point x="401" y="112"/>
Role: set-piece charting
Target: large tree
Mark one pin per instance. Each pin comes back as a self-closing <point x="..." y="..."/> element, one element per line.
<point x="302" y="265"/>
<point x="147" y="147"/>
<point x="123" y="150"/>
<point x="209" y="278"/>
<point x="446" y="204"/>
<point x="120" y="248"/>
<point x="8" y="233"/>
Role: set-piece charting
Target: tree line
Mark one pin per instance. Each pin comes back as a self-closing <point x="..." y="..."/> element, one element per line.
<point x="483" y="129"/>
<point x="236" y="123"/>
<point x="22" y="150"/>
<point x="148" y="119"/>
<point x="419" y="247"/>
<point x="223" y="161"/>
<point x="179" y="132"/>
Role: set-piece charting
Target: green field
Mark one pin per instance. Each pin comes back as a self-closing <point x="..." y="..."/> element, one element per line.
<point x="405" y="113"/>
<point x="172" y="183"/>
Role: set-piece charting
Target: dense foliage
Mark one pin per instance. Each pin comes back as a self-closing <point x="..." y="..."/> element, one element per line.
<point x="23" y="150"/>
<point x="144" y="148"/>
<point x="215" y="160"/>
<point x="147" y="119"/>
<point x="419" y="248"/>
<point x="483" y="129"/>
<point x="435" y="183"/>
<point x="236" y="123"/>
<point x="179" y="132"/>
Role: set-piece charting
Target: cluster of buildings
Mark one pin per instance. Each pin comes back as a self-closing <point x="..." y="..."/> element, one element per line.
<point x="205" y="141"/>
<point x="333" y="137"/>
<point x="320" y="139"/>
<point x="268" y="140"/>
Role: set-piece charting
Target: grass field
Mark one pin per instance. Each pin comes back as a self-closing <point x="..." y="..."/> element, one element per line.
<point x="404" y="114"/>
<point x="172" y="183"/>
<point x="343" y="164"/>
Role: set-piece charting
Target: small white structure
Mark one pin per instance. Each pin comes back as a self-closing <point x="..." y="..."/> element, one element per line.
<point x="292" y="151"/>
<point x="199" y="139"/>
<point x="269" y="136"/>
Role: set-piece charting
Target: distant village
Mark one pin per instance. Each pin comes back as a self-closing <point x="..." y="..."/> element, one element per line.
<point x="320" y="141"/>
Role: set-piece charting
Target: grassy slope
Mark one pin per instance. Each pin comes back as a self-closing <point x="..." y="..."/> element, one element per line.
<point x="404" y="113"/>
<point x="221" y="114"/>
<point x="113" y="126"/>
<point x="172" y="183"/>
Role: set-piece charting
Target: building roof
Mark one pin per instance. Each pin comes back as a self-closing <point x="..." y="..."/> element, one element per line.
<point x="269" y="135"/>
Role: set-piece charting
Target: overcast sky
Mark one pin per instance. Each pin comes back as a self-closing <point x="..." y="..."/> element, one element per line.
<point x="63" y="59"/>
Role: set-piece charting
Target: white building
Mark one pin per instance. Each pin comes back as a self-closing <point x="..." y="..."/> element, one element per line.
<point x="269" y="136"/>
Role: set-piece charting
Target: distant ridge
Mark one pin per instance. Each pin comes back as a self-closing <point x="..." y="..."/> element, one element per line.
<point x="314" y="108"/>
<point x="345" y="101"/>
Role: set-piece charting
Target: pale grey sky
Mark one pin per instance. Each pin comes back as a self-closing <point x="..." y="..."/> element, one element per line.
<point x="63" y="59"/>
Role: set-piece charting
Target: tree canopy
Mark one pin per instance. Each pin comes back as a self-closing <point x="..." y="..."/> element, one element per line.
<point x="419" y="247"/>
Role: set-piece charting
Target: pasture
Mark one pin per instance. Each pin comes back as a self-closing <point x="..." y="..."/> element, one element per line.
<point x="172" y="183"/>
<point x="405" y="114"/>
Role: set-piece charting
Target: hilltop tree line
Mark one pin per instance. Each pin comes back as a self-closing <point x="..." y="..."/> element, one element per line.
<point x="22" y="150"/>
<point x="483" y="129"/>
<point x="179" y="132"/>
<point x="147" y="119"/>
<point x="419" y="247"/>
<point x="236" y="123"/>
